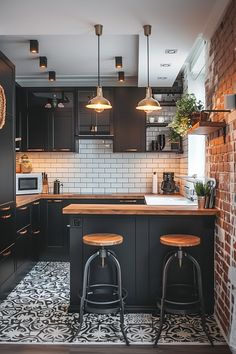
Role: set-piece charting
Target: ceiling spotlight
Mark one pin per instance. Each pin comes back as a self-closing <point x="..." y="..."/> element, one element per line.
<point x="171" y="51"/>
<point x="43" y="62"/>
<point x="118" y="62"/>
<point x="165" y="65"/>
<point x="148" y="104"/>
<point x="121" y="76"/>
<point x="99" y="103"/>
<point x="34" y="46"/>
<point x="52" y="75"/>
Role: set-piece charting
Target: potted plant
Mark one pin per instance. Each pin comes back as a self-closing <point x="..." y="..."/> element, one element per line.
<point x="174" y="139"/>
<point x="202" y="190"/>
<point x="187" y="107"/>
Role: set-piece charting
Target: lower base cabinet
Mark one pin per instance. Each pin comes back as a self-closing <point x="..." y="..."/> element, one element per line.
<point x="23" y="247"/>
<point x="7" y="264"/>
<point x="56" y="237"/>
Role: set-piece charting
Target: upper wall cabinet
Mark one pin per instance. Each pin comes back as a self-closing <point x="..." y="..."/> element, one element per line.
<point x="7" y="154"/>
<point x="46" y="120"/>
<point x="129" y="123"/>
<point x="90" y="123"/>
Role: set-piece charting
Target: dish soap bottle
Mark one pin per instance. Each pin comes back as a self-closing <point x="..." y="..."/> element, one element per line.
<point x="154" y="183"/>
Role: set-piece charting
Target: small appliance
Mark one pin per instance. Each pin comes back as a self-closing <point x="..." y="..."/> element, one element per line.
<point x="168" y="184"/>
<point x="28" y="183"/>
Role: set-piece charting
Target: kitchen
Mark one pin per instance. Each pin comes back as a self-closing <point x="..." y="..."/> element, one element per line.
<point x="99" y="169"/>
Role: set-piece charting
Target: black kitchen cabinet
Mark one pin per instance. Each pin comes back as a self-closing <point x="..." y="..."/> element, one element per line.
<point x="90" y="123"/>
<point x="7" y="265"/>
<point x="24" y="248"/>
<point x="36" y="229"/>
<point x="129" y="123"/>
<point x="56" y="242"/>
<point x="7" y="148"/>
<point x="7" y="225"/>
<point x="47" y="121"/>
<point x="23" y="243"/>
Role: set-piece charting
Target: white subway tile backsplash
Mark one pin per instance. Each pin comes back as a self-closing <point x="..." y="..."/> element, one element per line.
<point x="96" y="169"/>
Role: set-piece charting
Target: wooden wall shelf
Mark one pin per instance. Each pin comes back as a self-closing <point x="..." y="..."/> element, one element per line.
<point x="206" y="127"/>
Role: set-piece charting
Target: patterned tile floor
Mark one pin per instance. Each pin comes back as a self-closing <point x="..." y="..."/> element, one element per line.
<point x="36" y="312"/>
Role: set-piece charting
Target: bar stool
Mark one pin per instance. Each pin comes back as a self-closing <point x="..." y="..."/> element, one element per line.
<point x="103" y="298"/>
<point x="191" y="296"/>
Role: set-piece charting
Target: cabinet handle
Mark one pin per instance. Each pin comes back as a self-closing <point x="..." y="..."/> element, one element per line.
<point x="36" y="232"/>
<point x="131" y="150"/>
<point x="23" y="232"/>
<point x="8" y="216"/>
<point x="5" y="208"/>
<point x="57" y="200"/>
<point x="35" y="149"/>
<point x="128" y="201"/>
<point x="7" y="253"/>
<point x="36" y="203"/>
<point x="61" y="149"/>
<point x="23" y="208"/>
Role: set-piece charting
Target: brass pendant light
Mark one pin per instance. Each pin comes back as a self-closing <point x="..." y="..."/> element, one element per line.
<point x="99" y="103"/>
<point x="148" y="104"/>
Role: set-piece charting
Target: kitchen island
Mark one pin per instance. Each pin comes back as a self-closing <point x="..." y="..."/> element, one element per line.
<point x="141" y="254"/>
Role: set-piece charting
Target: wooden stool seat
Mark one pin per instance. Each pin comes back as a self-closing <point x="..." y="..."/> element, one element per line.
<point x="102" y="239"/>
<point x="180" y="240"/>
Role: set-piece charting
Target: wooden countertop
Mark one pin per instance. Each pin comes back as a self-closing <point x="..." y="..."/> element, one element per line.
<point x="29" y="198"/>
<point x="114" y="209"/>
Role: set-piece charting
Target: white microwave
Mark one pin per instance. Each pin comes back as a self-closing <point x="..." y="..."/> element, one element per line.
<point x="28" y="183"/>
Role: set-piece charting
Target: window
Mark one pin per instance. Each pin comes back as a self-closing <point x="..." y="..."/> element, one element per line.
<point x="196" y="155"/>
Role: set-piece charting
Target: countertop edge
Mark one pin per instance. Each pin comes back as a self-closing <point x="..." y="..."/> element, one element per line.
<point x="108" y="209"/>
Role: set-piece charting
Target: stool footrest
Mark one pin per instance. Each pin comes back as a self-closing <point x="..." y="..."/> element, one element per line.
<point x="104" y="295"/>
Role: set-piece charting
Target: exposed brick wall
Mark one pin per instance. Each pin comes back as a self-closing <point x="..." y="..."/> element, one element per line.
<point x="221" y="158"/>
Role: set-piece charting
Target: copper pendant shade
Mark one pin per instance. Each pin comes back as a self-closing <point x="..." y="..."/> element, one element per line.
<point x="99" y="103"/>
<point x="148" y="104"/>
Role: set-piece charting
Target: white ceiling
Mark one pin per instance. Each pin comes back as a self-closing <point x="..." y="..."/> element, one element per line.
<point x="65" y="30"/>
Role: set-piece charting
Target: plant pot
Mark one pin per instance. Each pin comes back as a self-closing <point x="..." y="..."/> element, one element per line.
<point x="201" y="202"/>
<point x="204" y="116"/>
<point x="195" y="117"/>
<point x="174" y="146"/>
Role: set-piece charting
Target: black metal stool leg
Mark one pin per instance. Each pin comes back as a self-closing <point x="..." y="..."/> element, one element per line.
<point x="84" y="291"/>
<point x="164" y="283"/>
<point x="119" y="283"/>
<point x="200" y="294"/>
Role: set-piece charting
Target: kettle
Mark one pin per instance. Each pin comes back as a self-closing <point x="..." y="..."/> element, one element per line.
<point x="56" y="186"/>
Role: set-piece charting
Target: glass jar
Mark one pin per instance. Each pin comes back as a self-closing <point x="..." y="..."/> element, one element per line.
<point x="26" y="165"/>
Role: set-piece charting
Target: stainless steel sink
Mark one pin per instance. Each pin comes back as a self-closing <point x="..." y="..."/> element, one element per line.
<point x="169" y="200"/>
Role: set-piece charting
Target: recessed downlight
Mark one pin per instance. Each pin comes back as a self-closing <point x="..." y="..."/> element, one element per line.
<point x="165" y="65"/>
<point x="171" y="51"/>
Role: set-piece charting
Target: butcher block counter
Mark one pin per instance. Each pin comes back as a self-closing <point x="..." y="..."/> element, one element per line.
<point x="141" y="254"/>
<point x="109" y="209"/>
<point x="22" y="200"/>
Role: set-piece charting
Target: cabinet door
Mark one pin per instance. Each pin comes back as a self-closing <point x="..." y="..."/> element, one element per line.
<point x="23" y="247"/>
<point x="37" y="237"/>
<point x="129" y="123"/>
<point x="35" y="124"/>
<point x="90" y="122"/>
<point x="7" y="225"/>
<point x="62" y="129"/>
<point x="6" y="264"/>
<point x="7" y="148"/>
<point x="57" y="242"/>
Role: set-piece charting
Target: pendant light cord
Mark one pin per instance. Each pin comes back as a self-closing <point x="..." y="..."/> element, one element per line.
<point x="99" y="61"/>
<point x="148" y="60"/>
